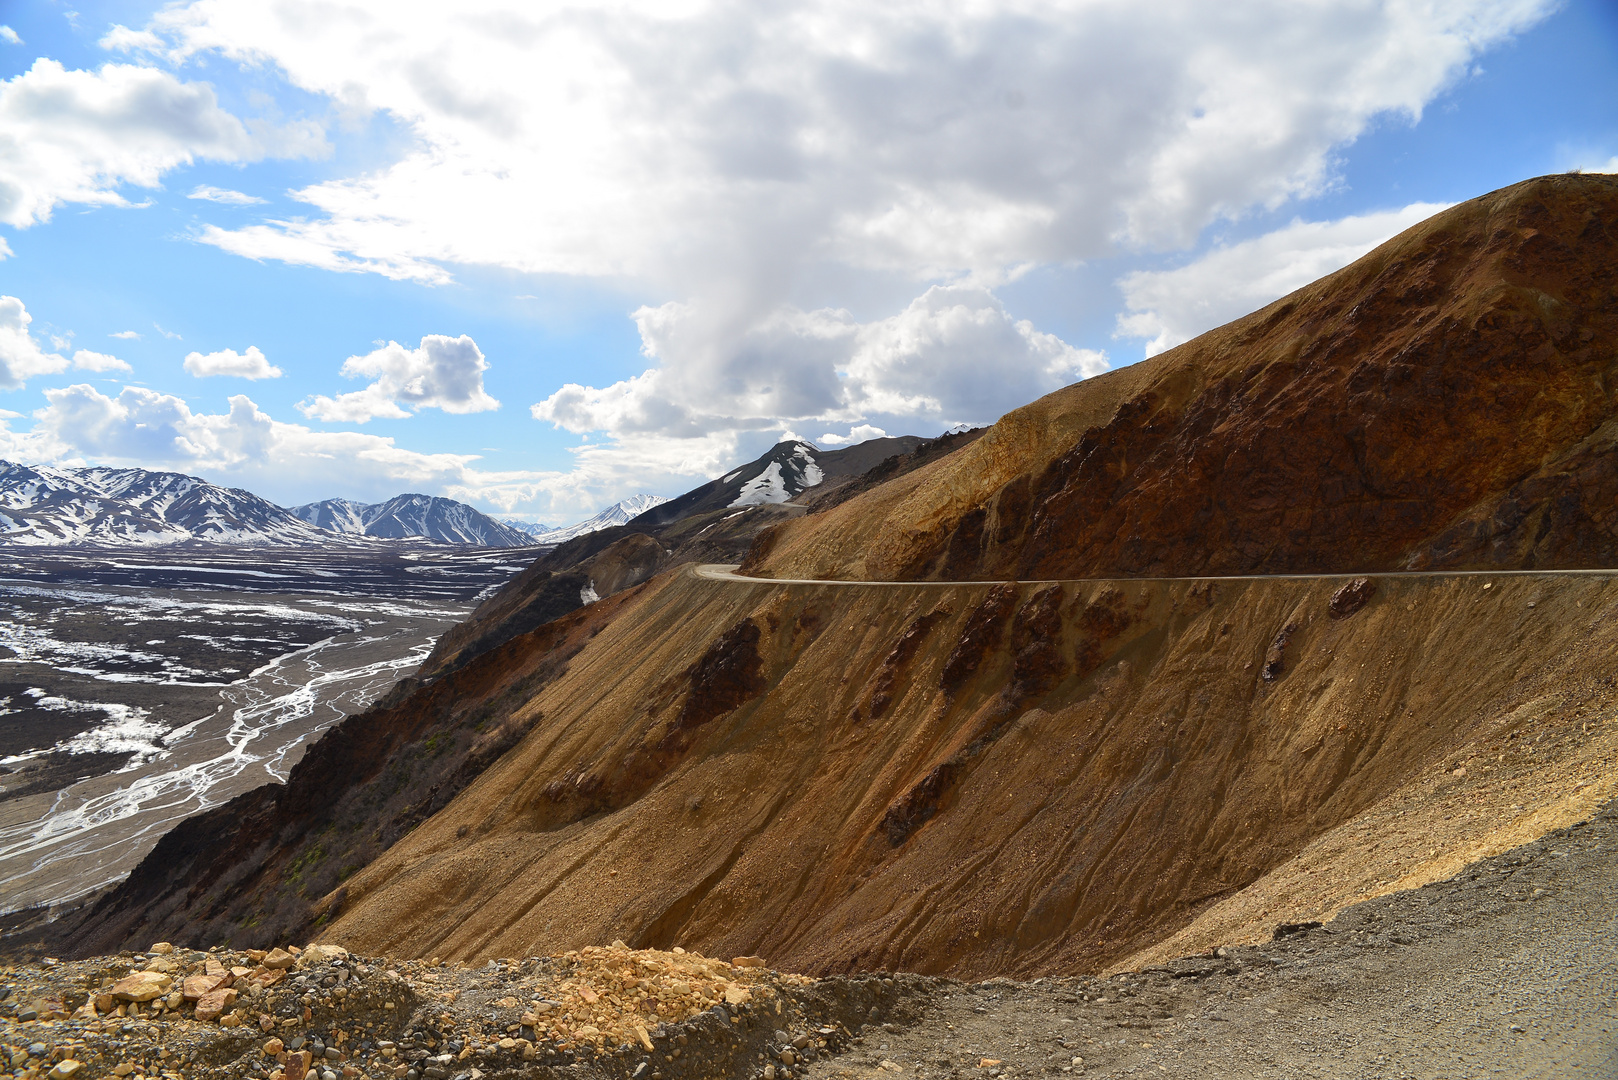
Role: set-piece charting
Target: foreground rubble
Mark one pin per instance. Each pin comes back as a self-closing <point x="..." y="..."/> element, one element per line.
<point x="1503" y="970"/>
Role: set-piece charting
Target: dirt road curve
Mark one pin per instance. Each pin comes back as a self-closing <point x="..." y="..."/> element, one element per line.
<point x="727" y="572"/>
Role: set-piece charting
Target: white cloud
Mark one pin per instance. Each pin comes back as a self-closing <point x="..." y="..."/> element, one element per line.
<point x="247" y="447"/>
<point x="21" y="357"/>
<point x="722" y="155"/>
<point x="442" y="373"/>
<point x="248" y="365"/>
<point x="1173" y="306"/>
<point x="123" y="39"/>
<point x="858" y="434"/>
<point x="1608" y="166"/>
<point x="126" y="335"/>
<point x="223" y="195"/>
<point x="77" y="136"/>
<point x="9" y="36"/>
<point x="954" y="354"/>
<point x="721" y="141"/>
<point x="85" y="360"/>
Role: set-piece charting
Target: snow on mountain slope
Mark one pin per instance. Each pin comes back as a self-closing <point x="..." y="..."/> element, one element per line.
<point x="137" y="507"/>
<point x="619" y="513"/>
<point x="792" y="470"/>
<point x="443" y="520"/>
<point x="337" y="515"/>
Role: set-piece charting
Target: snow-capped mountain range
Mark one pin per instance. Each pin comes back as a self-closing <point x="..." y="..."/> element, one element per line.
<point x="619" y="513"/>
<point x="411" y="516"/>
<point x="42" y="506"/>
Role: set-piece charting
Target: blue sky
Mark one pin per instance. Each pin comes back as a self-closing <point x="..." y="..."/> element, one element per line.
<point x="661" y="236"/>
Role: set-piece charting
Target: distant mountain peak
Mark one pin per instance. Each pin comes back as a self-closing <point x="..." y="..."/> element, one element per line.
<point x="619" y="513"/>
<point x="414" y="516"/>
<point x="45" y="506"/>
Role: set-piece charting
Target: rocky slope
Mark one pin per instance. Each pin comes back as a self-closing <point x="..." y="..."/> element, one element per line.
<point x="1444" y="402"/>
<point x="980" y="779"/>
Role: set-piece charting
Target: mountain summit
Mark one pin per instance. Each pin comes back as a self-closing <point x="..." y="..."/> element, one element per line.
<point x="403" y="517"/>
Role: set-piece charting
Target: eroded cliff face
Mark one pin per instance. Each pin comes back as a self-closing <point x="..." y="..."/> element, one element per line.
<point x="984" y="779"/>
<point x="1444" y="402"/>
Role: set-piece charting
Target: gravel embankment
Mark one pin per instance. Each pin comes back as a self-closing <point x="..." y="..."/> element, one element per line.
<point x="1508" y="969"/>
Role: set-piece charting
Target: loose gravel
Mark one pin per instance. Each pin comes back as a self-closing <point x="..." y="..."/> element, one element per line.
<point x="1509" y="969"/>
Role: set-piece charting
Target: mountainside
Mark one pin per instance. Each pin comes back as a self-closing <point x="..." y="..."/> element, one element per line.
<point x="1444" y="402"/>
<point x="137" y="507"/>
<point x="334" y="515"/>
<point x="428" y="517"/>
<point x="981" y="777"/>
<point x="781" y="474"/>
<point x="619" y="513"/>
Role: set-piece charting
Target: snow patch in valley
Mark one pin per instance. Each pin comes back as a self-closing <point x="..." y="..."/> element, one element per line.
<point x="126" y="731"/>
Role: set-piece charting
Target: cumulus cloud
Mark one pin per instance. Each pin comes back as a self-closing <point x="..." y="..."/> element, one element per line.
<point x="1173" y="306"/>
<point x="723" y="155"/>
<point x="247" y="447"/>
<point x="85" y="360"/>
<point x="953" y="355"/>
<point x="858" y="434"/>
<point x="249" y="365"/>
<point x="671" y="142"/>
<point x="223" y="195"/>
<point x="126" y="335"/>
<point x="442" y="373"/>
<point x="77" y="136"/>
<point x="9" y="36"/>
<point x="21" y="357"/>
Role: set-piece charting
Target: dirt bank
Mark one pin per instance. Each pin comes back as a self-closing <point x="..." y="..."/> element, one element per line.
<point x="1009" y="780"/>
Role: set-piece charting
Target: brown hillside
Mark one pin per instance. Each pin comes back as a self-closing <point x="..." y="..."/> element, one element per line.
<point x="1444" y="402"/>
<point x="981" y="779"/>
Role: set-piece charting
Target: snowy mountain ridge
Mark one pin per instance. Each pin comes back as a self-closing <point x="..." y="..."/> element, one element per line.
<point x="413" y="516"/>
<point x="45" y="506"/>
<point x="619" y="513"/>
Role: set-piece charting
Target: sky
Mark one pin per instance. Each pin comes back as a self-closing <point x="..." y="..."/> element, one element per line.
<point x="542" y="256"/>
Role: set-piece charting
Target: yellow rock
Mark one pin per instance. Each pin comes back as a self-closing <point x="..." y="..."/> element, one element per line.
<point x="142" y="986"/>
<point x="162" y="948"/>
<point x="279" y="959"/>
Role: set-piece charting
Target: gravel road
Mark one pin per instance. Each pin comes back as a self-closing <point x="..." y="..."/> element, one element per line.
<point x="1509" y="969"/>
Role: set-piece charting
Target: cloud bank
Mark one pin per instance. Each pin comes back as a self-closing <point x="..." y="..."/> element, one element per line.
<point x="723" y="155"/>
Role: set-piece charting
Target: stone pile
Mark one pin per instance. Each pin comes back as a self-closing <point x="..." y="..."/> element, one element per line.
<point x="321" y="1014"/>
